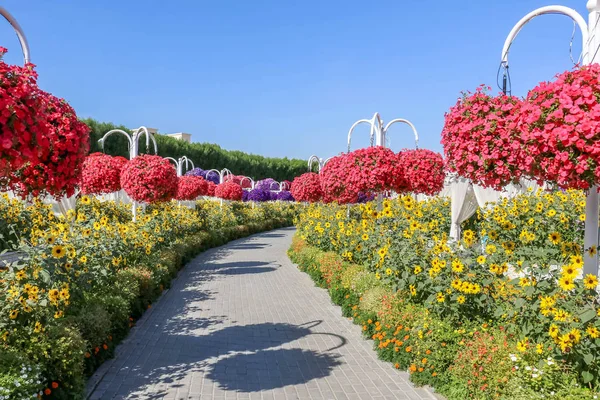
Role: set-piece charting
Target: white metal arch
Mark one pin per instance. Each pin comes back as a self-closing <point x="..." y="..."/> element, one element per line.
<point x="403" y="121"/>
<point x="20" y="34"/>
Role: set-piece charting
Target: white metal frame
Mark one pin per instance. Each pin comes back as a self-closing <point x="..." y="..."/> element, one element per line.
<point x="379" y="131"/>
<point x="321" y="162"/>
<point x="179" y="164"/>
<point x="20" y="34"/>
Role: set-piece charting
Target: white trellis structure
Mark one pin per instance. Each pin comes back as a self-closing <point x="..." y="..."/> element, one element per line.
<point x="252" y="183"/>
<point x="134" y="147"/>
<point x="181" y="163"/>
<point x="320" y="162"/>
<point x="378" y="132"/>
<point x="590" y="34"/>
<point x="222" y="174"/>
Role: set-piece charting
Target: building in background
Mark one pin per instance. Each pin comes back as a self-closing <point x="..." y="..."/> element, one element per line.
<point x="186" y="137"/>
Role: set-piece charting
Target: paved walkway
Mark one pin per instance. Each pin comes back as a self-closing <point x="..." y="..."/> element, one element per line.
<point x="241" y="322"/>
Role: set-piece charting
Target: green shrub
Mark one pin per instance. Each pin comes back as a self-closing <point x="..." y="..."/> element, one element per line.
<point x="19" y="378"/>
<point x="372" y="299"/>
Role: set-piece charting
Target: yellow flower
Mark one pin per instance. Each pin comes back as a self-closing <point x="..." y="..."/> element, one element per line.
<point x="418" y="270"/>
<point x="490" y="249"/>
<point x="460" y="299"/>
<point x="574" y="335"/>
<point x="58" y="251"/>
<point x="83" y="259"/>
<point x="570" y="271"/>
<point x="551" y="213"/>
<point x="554" y="237"/>
<point x="441" y="297"/>
<point x="481" y="260"/>
<point x="566" y="283"/>
<point x="85" y="200"/>
<point x="592" y="251"/>
<point x="593" y="332"/>
<point x="539" y="348"/>
<point x="365" y="236"/>
<point x="413" y="290"/>
<point x="13" y="314"/>
<point x="577" y="261"/>
<point x="553" y="331"/>
<point x="560" y="315"/>
<point x="522" y="345"/>
<point x="582" y="217"/>
<point x="388" y="271"/>
<point x="20" y="275"/>
<point x="523" y="282"/>
<point x="38" y="327"/>
<point x="58" y="314"/>
<point x="590" y="281"/>
<point x="457" y="266"/>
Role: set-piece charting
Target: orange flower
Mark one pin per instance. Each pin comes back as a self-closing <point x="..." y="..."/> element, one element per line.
<point x="47" y="391"/>
<point x="434" y="374"/>
<point x="54" y="385"/>
<point x="397" y="366"/>
<point x="428" y="352"/>
<point x="420" y="369"/>
<point x="408" y="349"/>
<point x="396" y="349"/>
<point x="104" y="346"/>
<point x="87" y="354"/>
<point x="412" y="368"/>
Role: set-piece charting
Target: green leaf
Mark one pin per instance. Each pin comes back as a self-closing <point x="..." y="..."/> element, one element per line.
<point x="520" y="302"/>
<point x="587" y="315"/>
<point x="587" y="376"/>
<point x="588" y="358"/>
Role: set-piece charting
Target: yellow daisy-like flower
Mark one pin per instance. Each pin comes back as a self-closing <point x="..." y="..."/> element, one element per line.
<point x="457" y="266"/>
<point x="388" y="271"/>
<point x="551" y="213"/>
<point x="20" y="275"/>
<point x="570" y="271"/>
<point x="574" y="336"/>
<point x="440" y="297"/>
<point x="582" y="217"/>
<point x="460" y="299"/>
<point x="592" y="251"/>
<point x="413" y="290"/>
<point x="593" y="332"/>
<point x="58" y="314"/>
<point x="418" y="270"/>
<point x="539" y="348"/>
<point x="83" y="259"/>
<point x="560" y="315"/>
<point x="577" y="261"/>
<point x="365" y="236"/>
<point x="566" y="283"/>
<point x="481" y="260"/>
<point x="554" y="237"/>
<point x="58" y="251"/>
<point x="13" y="314"/>
<point x="522" y="345"/>
<point x="590" y="281"/>
<point x="86" y="200"/>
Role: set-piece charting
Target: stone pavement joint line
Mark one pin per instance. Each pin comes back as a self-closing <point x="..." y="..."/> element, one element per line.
<point x="242" y="322"/>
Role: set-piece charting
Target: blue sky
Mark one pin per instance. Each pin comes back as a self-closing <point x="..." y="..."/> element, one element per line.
<point x="279" y="78"/>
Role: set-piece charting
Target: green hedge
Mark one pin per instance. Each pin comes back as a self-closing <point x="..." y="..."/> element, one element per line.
<point x="204" y="155"/>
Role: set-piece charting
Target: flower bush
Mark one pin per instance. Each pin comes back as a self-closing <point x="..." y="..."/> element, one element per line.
<point x="458" y="315"/>
<point x="560" y="121"/>
<point x="101" y="173"/>
<point x="259" y="195"/>
<point x="229" y="191"/>
<point x="307" y="187"/>
<point x="267" y="184"/>
<point x="210" y="190"/>
<point x="210" y="176"/>
<point x="191" y="187"/>
<point x="373" y="169"/>
<point x="88" y="276"/>
<point x="284" y="195"/>
<point x="481" y="139"/>
<point x="149" y="179"/>
<point x="423" y="171"/>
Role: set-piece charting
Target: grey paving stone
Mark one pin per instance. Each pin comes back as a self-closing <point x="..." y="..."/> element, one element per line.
<point x="242" y="322"/>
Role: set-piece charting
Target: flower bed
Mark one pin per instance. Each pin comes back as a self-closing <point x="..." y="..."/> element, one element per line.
<point x="503" y="313"/>
<point x="89" y="276"/>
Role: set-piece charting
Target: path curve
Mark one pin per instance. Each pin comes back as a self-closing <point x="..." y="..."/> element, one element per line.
<point x="242" y="322"/>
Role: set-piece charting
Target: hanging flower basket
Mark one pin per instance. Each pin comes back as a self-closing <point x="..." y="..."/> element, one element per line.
<point x="284" y="195"/>
<point x="560" y="121"/>
<point x="481" y="140"/>
<point x="307" y="187"/>
<point x="191" y="187"/>
<point x="42" y="143"/>
<point x="101" y="173"/>
<point x="423" y="171"/>
<point x="229" y="191"/>
<point x="210" y="191"/>
<point x="259" y="195"/>
<point x="149" y="179"/>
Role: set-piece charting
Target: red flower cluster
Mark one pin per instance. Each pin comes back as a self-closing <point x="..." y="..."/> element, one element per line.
<point x="372" y="169"/>
<point x="229" y="191"/>
<point x="210" y="190"/>
<point x="190" y="187"/>
<point x="423" y="171"/>
<point x="101" y="173"/>
<point x="149" y="179"/>
<point x="481" y="140"/>
<point x="286" y="185"/>
<point x="42" y="144"/>
<point x="307" y="187"/>
<point x="560" y="121"/>
<point x="241" y="180"/>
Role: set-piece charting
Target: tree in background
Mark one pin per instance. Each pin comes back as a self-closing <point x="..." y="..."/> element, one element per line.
<point x="205" y="155"/>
